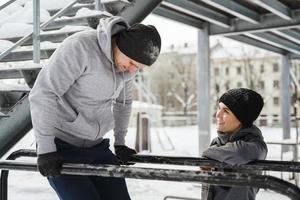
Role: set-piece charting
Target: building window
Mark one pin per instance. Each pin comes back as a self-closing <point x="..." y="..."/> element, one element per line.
<point x="276" y="101"/>
<point x="276" y="84"/>
<point x="239" y="70"/>
<point x="217" y="71"/>
<point x="217" y="88"/>
<point x="227" y="70"/>
<point x="262" y="84"/>
<point x="275" y="67"/>
<point x="262" y="68"/>
<point x="239" y="84"/>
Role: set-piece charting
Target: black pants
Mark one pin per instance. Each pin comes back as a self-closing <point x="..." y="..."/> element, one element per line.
<point x="76" y="187"/>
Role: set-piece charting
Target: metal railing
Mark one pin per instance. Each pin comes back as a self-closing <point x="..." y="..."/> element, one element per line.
<point x="36" y="30"/>
<point x="181" y="198"/>
<point x="233" y="178"/>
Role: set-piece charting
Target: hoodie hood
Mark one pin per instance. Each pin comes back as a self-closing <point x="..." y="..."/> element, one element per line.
<point x="108" y="27"/>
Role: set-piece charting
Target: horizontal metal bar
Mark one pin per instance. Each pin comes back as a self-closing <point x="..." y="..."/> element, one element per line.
<point x="181" y="198"/>
<point x="18" y="72"/>
<point x="275" y="41"/>
<point x="26" y="55"/>
<point x="291" y="35"/>
<point x="256" y="43"/>
<point x="215" y="178"/>
<point x="266" y="165"/>
<point x="178" y="16"/>
<point x="268" y="22"/>
<point x="275" y="7"/>
<point x="261" y="165"/>
<point x="235" y="9"/>
<point x="199" y="12"/>
<point x="53" y="36"/>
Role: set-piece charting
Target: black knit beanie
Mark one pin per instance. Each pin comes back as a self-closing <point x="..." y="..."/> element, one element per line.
<point x="246" y="104"/>
<point x="140" y="42"/>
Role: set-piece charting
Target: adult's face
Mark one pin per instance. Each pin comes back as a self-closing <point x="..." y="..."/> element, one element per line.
<point x="124" y="63"/>
<point x="226" y="120"/>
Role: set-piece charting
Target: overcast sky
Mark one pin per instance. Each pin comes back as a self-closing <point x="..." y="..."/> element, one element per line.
<point x="172" y="32"/>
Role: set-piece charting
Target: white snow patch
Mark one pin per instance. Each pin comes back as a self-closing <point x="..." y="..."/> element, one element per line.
<point x="15" y="30"/>
<point x="3" y="14"/>
<point x="21" y="2"/>
<point x="50" y="5"/>
<point x="86" y="12"/>
<point x="11" y="8"/>
<point x="25" y="16"/>
<point x="49" y="45"/>
<point x="70" y="28"/>
<point x="5" y="44"/>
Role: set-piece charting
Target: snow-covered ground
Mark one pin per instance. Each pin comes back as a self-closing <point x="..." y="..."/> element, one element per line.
<point x="27" y="185"/>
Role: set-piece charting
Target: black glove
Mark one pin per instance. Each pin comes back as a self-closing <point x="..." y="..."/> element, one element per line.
<point x="123" y="153"/>
<point x="49" y="164"/>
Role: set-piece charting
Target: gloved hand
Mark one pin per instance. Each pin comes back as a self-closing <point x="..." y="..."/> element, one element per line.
<point x="49" y="164"/>
<point x="123" y="152"/>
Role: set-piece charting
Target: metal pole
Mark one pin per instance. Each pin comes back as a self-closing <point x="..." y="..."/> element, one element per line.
<point x="203" y="88"/>
<point x="140" y="111"/>
<point x="98" y="5"/>
<point x="36" y="31"/>
<point x="285" y="99"/>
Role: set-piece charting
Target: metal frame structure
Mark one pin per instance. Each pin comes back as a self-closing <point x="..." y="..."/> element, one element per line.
<point x="236" y="176"/>
<point x="255" y="22"/>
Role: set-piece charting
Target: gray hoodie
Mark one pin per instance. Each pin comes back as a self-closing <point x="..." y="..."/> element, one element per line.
<point x="78" y="96"/>
<point x="240" y="148"/>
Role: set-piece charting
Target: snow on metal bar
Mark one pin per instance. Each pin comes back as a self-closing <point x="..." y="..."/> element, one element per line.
<point x="267" y="165"/>
<point x="215" y="178"/>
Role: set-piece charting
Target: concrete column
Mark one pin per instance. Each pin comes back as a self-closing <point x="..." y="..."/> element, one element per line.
<point x="203" y="88"/>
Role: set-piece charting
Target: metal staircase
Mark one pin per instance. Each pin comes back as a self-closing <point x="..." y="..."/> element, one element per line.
<point x="15" y="120"/>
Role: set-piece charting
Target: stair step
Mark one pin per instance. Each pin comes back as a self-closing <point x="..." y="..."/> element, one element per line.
<point x="72" y="11"/>
<point x="3" y="115"/>
<point x="52" y="36"/>
<point x="26" y="55"/>
<point x="17" y="72"/>
<point x="13" y="88"/>
<point x="77" y="21"/>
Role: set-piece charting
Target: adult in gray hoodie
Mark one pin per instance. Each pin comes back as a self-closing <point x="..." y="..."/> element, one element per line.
<point x="238" y="141"/>
<point x="84" y="91"/>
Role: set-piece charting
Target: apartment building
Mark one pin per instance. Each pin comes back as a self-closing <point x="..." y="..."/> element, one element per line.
<point x="175" y="78"/>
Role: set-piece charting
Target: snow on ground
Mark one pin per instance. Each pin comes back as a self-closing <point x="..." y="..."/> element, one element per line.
<point x="34" y="187"/>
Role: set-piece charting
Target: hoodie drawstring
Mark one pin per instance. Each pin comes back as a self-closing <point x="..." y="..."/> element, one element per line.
<point x="115" y="85"/>
<point x="124" y="91"/>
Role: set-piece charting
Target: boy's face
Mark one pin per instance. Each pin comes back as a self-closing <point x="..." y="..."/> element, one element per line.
<point x="124" y="63"/>
<point x="226" y="120"/>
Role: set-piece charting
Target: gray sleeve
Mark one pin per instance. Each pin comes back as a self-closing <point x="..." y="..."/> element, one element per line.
<point x="63" y="68"/>
<point x="122" y="112"/>
<point x="239" y="152"/>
